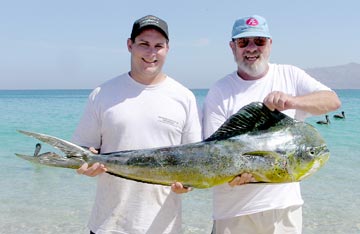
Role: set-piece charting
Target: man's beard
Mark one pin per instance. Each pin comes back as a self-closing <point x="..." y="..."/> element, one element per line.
<point x="256" y="69"/>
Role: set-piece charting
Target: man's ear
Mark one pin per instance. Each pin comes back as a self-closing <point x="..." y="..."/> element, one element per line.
<point x="129" y="44"/>
<point x="232" y="45"/>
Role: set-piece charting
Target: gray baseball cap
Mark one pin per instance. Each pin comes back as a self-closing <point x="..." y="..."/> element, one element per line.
<point x="251" y="26"/>
<point x="149" y="21"/>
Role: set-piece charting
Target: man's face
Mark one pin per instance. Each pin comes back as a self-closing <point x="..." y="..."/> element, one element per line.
<point x="148" y="53"/>
<point x="252" y="55"/>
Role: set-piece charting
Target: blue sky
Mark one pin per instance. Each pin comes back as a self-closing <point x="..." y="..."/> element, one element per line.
<point x="80" y="44"/>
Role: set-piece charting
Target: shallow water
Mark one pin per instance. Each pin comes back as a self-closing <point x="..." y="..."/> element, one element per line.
<point x="37" y="199"/>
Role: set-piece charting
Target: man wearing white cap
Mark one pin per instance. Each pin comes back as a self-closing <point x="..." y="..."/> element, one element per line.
<point x="142" y="108"/>
<point x="240" y="206"/>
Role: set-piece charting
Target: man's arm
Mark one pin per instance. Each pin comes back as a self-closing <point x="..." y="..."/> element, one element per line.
<point x="316" y="103"/>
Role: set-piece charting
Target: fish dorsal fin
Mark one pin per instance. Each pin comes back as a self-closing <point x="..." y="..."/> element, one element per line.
<point x="252" y="117"/>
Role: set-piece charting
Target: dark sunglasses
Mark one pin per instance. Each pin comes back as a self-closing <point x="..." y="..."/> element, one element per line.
<point x="243" y="42"/>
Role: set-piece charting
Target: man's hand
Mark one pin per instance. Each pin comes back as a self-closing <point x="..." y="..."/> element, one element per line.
<point x="244" y="178"/>
<point x="179" y="188"/>
<point x="279" y="101"/>
<point x="94" y="170"/>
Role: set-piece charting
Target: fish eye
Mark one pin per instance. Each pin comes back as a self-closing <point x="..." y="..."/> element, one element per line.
<point x="312" y="151"/>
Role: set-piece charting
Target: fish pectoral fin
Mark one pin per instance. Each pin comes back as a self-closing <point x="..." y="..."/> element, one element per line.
<point x="265" y="154"/>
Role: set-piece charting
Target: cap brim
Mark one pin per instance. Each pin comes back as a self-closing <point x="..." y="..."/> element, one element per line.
<point x="156" y="27"/>
<point x="251" y="34"/>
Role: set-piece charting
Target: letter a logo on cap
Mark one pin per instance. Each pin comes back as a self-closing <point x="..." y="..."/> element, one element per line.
<point x="252" y="22"/>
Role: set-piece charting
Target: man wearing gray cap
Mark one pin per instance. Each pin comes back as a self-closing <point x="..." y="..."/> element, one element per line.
<point x="142" y="108"/>
<point x="240" y="206"/>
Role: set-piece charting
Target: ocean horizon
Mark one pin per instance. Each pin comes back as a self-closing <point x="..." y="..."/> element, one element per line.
<point x="40" y="199"/>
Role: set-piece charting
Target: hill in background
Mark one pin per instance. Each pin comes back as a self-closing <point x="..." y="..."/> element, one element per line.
<point x="338" y="77"/>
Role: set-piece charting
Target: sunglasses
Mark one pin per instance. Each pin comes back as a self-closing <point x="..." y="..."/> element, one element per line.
<point x="243" y="42"/>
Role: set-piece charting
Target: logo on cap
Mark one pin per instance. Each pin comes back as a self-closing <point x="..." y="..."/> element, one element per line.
<point x="149" y="21"/>
<point x="252" y="22"/>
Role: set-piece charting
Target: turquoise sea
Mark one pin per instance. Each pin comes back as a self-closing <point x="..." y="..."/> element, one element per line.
<point x="38" y="199"/>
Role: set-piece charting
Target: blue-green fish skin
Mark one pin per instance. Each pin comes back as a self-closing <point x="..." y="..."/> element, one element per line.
<point x="271" y="146"/>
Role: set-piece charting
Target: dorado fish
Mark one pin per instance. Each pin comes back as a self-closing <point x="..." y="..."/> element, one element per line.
<point x="271" y="146"/>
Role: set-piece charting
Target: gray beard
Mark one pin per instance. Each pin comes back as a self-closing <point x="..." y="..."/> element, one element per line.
<point x="254" y="70"/>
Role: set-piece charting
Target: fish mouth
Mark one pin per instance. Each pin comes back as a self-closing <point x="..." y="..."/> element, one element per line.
<point x="324" y="151"/>
<point x="324" y="156"/>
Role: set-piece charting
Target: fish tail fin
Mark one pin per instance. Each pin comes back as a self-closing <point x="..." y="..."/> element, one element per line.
<point x="54" y="160"/>
<point x="68" y="148"/>
<point x="27" y="157"/>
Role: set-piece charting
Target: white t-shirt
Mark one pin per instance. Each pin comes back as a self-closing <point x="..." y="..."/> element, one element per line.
<point x="123" y="114"/>
<point x="224" y="99"/>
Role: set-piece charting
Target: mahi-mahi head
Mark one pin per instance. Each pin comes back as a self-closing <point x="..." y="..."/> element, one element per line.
<point x="271" y="146"/>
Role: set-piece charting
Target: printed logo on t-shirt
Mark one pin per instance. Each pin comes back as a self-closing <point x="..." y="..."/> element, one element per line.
<point x="168" y="121"/>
